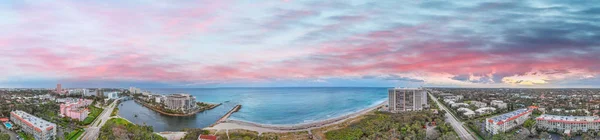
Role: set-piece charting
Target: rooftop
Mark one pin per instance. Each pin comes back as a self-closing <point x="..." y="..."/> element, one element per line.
<point x="404" y="88"/>
<point x="181" y="95"/>
<point x="508" y="116"/>
<point x="557" y="118"/>
<point x="33" y="121"/>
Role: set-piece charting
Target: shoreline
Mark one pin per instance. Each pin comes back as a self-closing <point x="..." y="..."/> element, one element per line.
<point x="260" y="128"/>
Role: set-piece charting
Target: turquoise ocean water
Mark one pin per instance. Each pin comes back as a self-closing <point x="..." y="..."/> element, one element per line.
<point x="275" y="106"/>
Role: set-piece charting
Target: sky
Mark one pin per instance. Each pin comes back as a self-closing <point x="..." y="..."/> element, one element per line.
<point x="291" y="43"/>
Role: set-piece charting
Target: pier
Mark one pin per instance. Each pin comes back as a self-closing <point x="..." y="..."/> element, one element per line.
<point x="226" y="116"/>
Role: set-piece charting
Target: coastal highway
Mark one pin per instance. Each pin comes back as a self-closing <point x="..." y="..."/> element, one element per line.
<point x="92" y="132"/>
<point x="457" y="125"/>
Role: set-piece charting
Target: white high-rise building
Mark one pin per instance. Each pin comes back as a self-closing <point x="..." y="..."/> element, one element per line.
<point x="406" y="99"/>
<point x="182" y="102"/>
<point x="134" y="90"/>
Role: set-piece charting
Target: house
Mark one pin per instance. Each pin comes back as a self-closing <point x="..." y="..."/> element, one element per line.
<point x="207" y="137"/>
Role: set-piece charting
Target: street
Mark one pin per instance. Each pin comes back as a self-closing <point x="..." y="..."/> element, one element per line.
<point x="92" y="132"/>
<point x="458" y="126"/>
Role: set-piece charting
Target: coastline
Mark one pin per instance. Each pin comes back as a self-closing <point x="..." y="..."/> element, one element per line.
<point x="260" y="128"/>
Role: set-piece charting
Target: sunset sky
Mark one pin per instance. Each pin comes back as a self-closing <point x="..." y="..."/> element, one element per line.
<point x="289" y="43"/>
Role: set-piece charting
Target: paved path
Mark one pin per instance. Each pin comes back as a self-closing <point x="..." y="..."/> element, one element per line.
<point x="92" y="132"/>
<point x="457" y="125"/>
<point x="172" y="135"/>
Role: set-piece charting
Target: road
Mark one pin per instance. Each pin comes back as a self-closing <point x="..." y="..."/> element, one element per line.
<point x="92" y="132"/>
<point x="457" y="125"/>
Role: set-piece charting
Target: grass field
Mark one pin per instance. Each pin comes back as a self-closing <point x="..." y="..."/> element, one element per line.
<point x="120" y="121"/>
<point x="94" y="112"/>
<point x="73" y="135"/>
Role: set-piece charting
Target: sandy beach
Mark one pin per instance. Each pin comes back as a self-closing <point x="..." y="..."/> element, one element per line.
<point x="261" y="128"/>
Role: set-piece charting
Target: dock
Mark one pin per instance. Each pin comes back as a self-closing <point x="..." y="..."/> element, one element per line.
<point x="226" y="116"/>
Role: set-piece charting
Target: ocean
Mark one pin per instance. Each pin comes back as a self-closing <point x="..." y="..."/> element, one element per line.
<point x="273" y="106"/>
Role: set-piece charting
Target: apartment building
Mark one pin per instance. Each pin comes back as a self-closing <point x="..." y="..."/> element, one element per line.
<point x="479" y="104"/>
<point x="568" y="124"/>
<point x="499" y="104"/>
<point x="75" y="110"/>
<point x="406" y="99"/>
<point x="505" y="122"/>
<point x="183" y="102"/>
<point x="39" y="128"/>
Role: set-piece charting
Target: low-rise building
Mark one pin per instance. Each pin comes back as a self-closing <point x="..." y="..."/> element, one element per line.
<point x="499" y="104"/>
<point x="505" y="122"/>
<point x="457" y="105"/>
<point x="467" y="112"/>
<point x="39" y="128"/>
<point x="485" y="110"/>
<point x="479" y="104"/>
<point x="454" y="97"/>
<point x="567" y="124"/>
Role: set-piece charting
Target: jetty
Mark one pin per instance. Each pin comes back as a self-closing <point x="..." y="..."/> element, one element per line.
<point x="226" y="116"/>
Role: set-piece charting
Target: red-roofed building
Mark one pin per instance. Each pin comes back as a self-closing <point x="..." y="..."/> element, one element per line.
<point x="3" y="119"/>
<point x="207" y="137"/>
<point x="568" y="123"/>
<point x="39" y="128"/>
<point x="505" y="122"/>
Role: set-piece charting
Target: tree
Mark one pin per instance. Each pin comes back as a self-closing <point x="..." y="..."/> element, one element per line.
<point x="529" y="123"/>
<point x="544" y="135"/>
<point x="449" y="136"/>
<point x="4" y="137"/>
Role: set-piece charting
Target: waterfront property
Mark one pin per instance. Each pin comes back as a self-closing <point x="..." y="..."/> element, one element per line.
<point x="75" y="110"/>
<point x="505" y="122"/>
<point x="134" y="90"/>
<point x="180" y="102"/>
<point x="406" y="99"/>
<point x="39" y="128"/>
<point x="113" y="95"/>
<point x="568" y="124"/>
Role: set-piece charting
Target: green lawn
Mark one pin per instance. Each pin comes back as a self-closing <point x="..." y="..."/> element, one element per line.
<point x="120" y="121"/>
<point x="94" y="112"/>
<point x="26" y="136"/>
<point x="73" y="135"/>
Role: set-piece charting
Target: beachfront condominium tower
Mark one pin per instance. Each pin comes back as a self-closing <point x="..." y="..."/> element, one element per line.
<point x="406" y="99"/>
